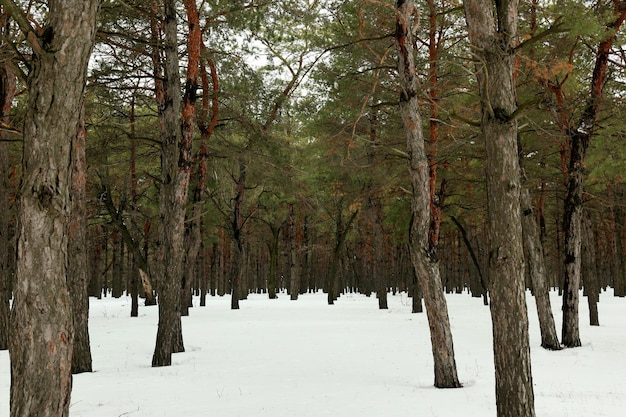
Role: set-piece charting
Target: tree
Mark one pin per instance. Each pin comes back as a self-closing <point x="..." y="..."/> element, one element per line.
<point x="78" y="270"/>
<point x="492" y="28"/>
<point x="7" y="93"/>
<point x="42" y="332"/>
<point x="175" y="172"/>
<point x="578" y="137"/>
<point x="425" y="261"/>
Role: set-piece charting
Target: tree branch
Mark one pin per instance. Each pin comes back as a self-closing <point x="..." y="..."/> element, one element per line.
<point x="21" y="19"/>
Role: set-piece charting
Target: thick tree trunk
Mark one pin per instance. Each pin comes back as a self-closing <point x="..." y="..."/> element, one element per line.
<point x="5" y="245"/>
<point x="7" y="93"/>
<point x="492" y="28"/>
<point x="78" y="269"/>
<point x="42" y="331"/>
<point x="192" y="254"/>
<point x="424" y="261"/>
<point x="175" y="170"/>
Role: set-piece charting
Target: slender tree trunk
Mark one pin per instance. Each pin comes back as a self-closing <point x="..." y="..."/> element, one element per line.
<point x="273" y="262"/>
<point x="134" y="269"/>
<point x="425" y="263"/>
<point x="294" y="273"/>
<point x="492" y="28"/>
<point x="78" y="269"/>
<point x="237" y="224"/>
<point x="536" y="267"/>
<point x="537" y="271"/>
<point x="589" y="270"/>
<point x="175" y="170"/>
<point x="41" y="340"/>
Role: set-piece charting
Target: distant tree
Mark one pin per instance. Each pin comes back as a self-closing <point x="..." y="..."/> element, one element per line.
<point x="424" y="259"/>
<point x="492" y="28"/>
<point x="42" y="332"/>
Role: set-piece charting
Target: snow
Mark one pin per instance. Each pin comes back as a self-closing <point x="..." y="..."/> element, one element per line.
<point x="304" y="358"/>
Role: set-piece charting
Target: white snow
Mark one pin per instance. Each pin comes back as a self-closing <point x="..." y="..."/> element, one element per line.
<point x="280" y="358"/>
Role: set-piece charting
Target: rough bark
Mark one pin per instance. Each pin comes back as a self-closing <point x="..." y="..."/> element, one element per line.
<point x="424" y="261"/>
<point x="42" y="333"/>
<point x="533" y="252"/>
<point x="194" y="41"/>
<point x="7" y="93"/>
<point x="175" y="170"/>
<point x="492" y="28"/>
<point x="537" y="270"/>
<point x="78" y="268"/>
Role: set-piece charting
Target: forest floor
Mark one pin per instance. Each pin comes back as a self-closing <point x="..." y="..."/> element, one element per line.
<point x="280" y="358"/>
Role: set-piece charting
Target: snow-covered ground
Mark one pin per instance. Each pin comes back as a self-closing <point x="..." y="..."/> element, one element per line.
<point x="280" y="358"/>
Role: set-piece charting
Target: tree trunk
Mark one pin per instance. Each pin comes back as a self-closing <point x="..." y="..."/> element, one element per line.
<point x="237" y="224"/>
<point x="533" y="252"/>
<point x="424" y="261"/>
<point x="273" y="261"/>
<point x="7" y="93"/>
<point x="78" y="269"/>
<point x="578" y="137"/>
<point x="589" y="270"/>
<point x="41" y="340"/>
<point x="194" y="241"/>
<point x="537" y="270"/>
<point x="175" y="170"/>
<point x="341" y="233"/>
<point x="494" y="42"/>
<point x="294" y="273"/>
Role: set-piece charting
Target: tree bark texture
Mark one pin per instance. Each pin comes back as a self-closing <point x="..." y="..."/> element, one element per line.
<point x="194" y="41"/>
<point x="424" y="261"/>
<point x="78" y="269"/>
<point x="537" y="270"/>
<point x="533" y="252"/>
<point x="492" y="28"/>
<point x="175" y="171"/>
<point x="42" y="333"/>
<point x="7" y="93"/>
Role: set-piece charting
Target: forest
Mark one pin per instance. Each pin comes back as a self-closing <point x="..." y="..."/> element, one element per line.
<point x="175" y="149"/>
